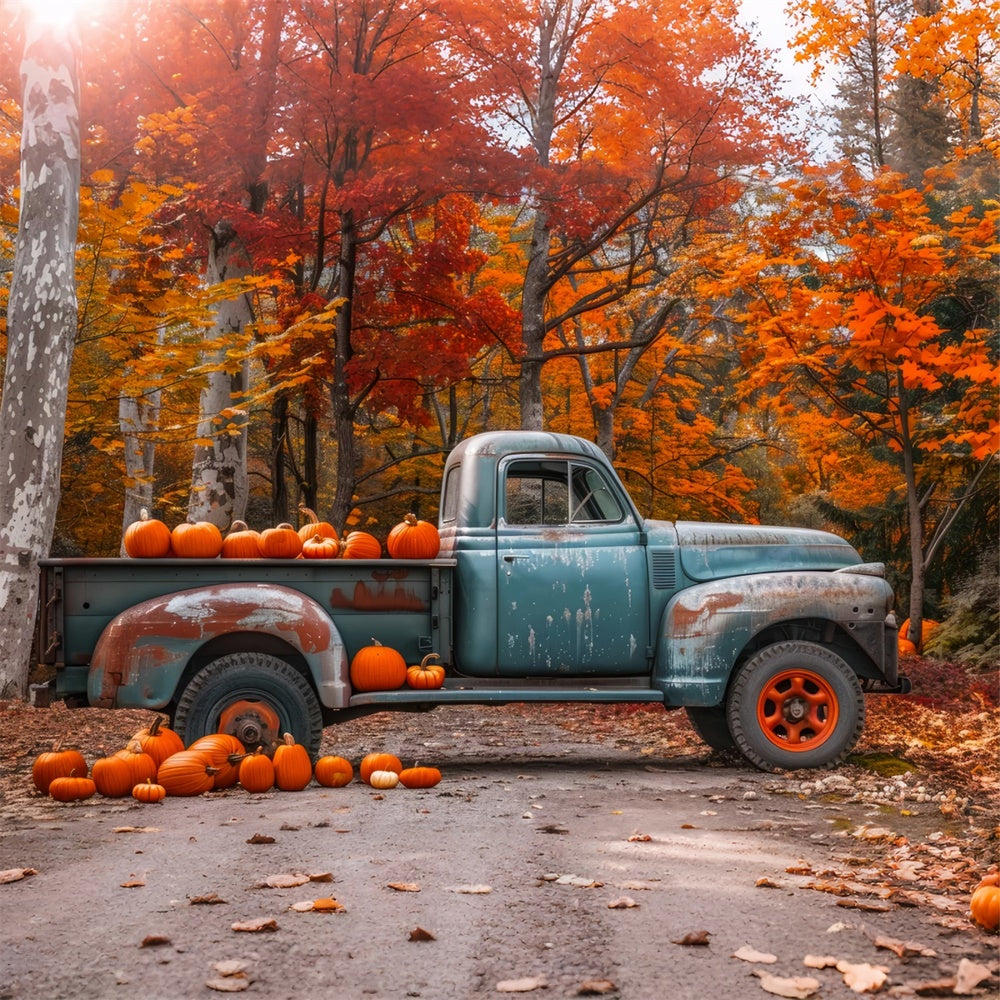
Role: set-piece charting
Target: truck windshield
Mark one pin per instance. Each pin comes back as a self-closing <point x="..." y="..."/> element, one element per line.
<point x="553" y="492"/>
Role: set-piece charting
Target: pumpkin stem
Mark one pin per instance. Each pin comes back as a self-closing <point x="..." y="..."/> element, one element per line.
<point x="238" y="526"/>
<point x="309" y="513"/>
<point x="428" y="658"/>
<point x="411" y="519"/>
<point x="154" y="729"/>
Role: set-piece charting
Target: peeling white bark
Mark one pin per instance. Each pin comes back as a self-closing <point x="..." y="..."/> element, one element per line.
<point x="219" y="482"/>
<point x="41" y="329"/>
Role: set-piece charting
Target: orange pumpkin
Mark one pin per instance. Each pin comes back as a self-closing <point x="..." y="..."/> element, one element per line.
<point x="378" y="761"/>
<point x="219" y="748"/>
<point x="360" y="545"/>
<point x="292" y="766"/>
<point x="320" y="547"/>
<point x="257" y="772"/>
<point x="333" y="772"/>
<point x="147" y="538"/>
<point x="314" y="526"/>
<point x="281" y="542"/>
<point x="426" y="675"/>
<point x="69" y="789"/>
<point x="149" y="791"/>
<point x="159" y="741"/>
<point x="985" y="902"/>
<point x="186" y="773"/>
<point x="413" y="539"/>
<point x="141" y="765"/>
<point x="112" y="776"/>
<point x="196" y="540"/>
<point x="419" y="777"/>
<point x="57" y="763"/>
<point x="377" y="668"/>
<point x="241" y="542"/>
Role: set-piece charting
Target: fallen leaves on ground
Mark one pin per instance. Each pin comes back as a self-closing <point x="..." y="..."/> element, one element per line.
<point x="524" y="985"/>
<point x="16" y="874"/>
<point x="694" y="939"/>
<point x="256" y="926"/>
<point x="793" y="987"/>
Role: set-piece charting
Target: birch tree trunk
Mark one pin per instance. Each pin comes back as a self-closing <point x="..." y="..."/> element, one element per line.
<point x="139" y="419"/>
<point x="219" y="483"/>
<point x="41" y="329"/>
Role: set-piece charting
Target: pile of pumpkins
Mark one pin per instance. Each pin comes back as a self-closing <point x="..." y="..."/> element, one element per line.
<point x="149" y="538"/>
<point x="155" y="764"/>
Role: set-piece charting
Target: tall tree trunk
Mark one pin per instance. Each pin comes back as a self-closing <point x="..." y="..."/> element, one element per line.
<point x="219" y="484"/>
<point x="534" y="293"/>
<point x="41" y="328"/>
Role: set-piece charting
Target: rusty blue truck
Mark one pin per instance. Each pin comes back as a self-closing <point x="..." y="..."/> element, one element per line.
<point x="549" y="586"/>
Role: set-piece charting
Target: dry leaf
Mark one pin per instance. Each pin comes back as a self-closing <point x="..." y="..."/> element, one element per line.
<point x="639" y="838"/>
<point x="596" y="988"/>
<point x="579" y="881"/>
<point x="230" y="968"/>
<point x="404" y="886"/>
<point x="303" y="906"/>
<point x="256" y="926"/>
<point x="766" y="883"/>
<point x="820" y="961"/>
<point x="525" y="985"/>
<point x="748" y="954"/>
<point x="16" y="874"/>
<point x="286" y="880"/>
<point x="261" y="838"/>
<point x="970" y="975"/>
<point x="154" y="941"/>
<point x="134" y="883"/>
<point x="903" y="948"/>
<point x="860" y="904"/>
<point x="419" y="934"/>
<point x="136" y="829"/>
<point x="236" y="983"/>
<point x="471" y="890"/>
<point x="321" y="877"/>
<point x="862" y="977"/>
<point x="694" y="938"/>
<point x="800" y="868"/>
<point x="622" y="903"/>
<point x="795" y="988"/>
<point x="211" y="899"/>
<point x="327" y="904"/>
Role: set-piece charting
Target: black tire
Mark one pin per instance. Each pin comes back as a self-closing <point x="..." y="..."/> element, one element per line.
<point x="712" y="725"/>
<point x="276" y="685"/>
<point x="795" y="705"/>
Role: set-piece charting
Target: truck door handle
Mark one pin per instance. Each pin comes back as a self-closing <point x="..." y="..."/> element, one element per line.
<point x="512" y="558"/>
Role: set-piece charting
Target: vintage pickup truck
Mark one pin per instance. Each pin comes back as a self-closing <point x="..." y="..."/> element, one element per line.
<point x="549" y="586"/>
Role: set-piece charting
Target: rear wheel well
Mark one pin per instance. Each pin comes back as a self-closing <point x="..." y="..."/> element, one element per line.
<point x="240" y="642"/>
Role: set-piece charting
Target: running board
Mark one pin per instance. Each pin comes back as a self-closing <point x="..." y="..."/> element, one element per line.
<point x="499" y="694"/>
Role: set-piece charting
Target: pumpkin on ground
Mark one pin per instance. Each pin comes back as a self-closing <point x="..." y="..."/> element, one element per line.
<point x="219" y="748"/>
<point x="241" y="542"/>
<point x="378" y="761"/>
<point x="147" y="538"/>
<point x="149" y="791"/>
<point x="292" y="766"/>
<point x="425" y="674"/>
<point x="377" y="668"/>
<point x="360" y="545"/>
<point x="112" y="776"/>
<point x="332" y="771"/>
<point x="413" y="539"/>
<point x="141" y="765"/>
<point x="314" y="526"/>
<point x="69" y="789"/>
<point x="159" y="741"/>
<point x="57" y="763"/>
<point x="419" y="777"/>
<point x="256" y="772"/>
<point x="186" y="773"/>
<point x="383" y="779"/>
<point x="985" y="902"/>
<point x="196" y="540"/>
<point x="280" y="542"/>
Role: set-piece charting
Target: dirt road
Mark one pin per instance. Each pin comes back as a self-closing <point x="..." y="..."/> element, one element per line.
<point x="547" y="860"/>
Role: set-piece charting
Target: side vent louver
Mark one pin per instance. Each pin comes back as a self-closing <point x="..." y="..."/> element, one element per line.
<point x="664" y="570"/>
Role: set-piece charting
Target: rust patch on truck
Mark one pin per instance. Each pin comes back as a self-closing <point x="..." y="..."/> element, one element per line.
<point x="688" y="619"/>
<point x="381" y="597"/>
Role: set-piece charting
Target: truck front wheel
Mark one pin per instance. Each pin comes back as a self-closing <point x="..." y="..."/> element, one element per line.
<point x="255" y="697"/>
<point x="793" y="705"/>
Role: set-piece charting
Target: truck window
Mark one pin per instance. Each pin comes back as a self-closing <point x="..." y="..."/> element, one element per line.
<point x="449" y="503"/>
<point x="552" y="492"/>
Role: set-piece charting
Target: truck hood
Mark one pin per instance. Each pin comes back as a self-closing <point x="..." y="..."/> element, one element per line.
<point x="712" y="551"/>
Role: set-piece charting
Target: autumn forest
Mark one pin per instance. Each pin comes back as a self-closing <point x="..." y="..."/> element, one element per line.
<point x="322" y="241"/>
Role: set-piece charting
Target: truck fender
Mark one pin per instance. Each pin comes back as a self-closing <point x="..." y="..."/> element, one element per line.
<point x="705" y="628"/>
<point x="142" y="653"/>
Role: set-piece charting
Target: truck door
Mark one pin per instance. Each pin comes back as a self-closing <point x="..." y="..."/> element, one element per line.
<point x="572" y="595"/>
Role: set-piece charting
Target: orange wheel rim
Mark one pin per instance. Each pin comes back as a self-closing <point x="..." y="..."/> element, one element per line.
<point x="253" y="723"/>
<point x="797" y="710"/>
